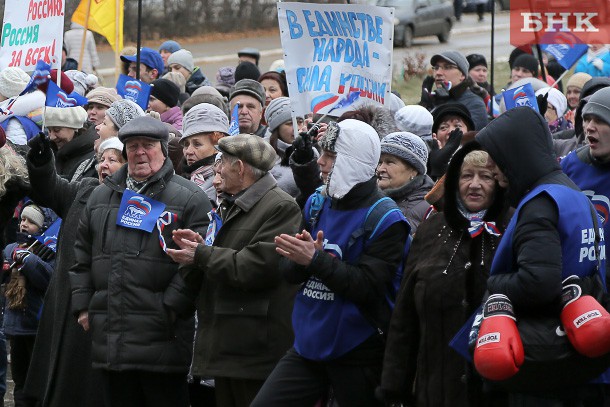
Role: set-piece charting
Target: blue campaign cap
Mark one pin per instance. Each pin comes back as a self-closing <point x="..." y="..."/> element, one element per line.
<point x="148" y="57"/>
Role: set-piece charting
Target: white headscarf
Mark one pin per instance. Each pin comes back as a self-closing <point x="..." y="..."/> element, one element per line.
<point x="358" y="149"/>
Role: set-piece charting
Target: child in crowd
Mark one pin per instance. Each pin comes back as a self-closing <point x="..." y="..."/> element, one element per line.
<point x="28" y="265"/>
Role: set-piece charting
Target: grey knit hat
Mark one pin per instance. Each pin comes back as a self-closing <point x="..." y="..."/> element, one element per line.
<point x="415" y="119"/>
<point x="599" y="105"/>
<point x="408" y="147"/>
<point x="183" y="58"/>
<point x="122" y="111"/>
<point x="278" y="112"/>
<point x="249" y="87"/>
<point x="204" y="118"/>
<point x="453" y="57"/>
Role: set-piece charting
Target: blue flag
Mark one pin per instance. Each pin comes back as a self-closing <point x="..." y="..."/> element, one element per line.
<point x="40" y="76"/>
<point x="138" y="211"/>
<point x="58" y="98"/>
<point x="566" y="54"/>
<point x="520" y="96"/>
<point x="134" y="90"/>
<point x="234" y="126"/>
<point x="49" y="237"/>
<point x="346" y="101"/>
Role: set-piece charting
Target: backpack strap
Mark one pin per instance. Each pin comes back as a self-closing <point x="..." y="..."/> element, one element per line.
<point x="377" y="213"/>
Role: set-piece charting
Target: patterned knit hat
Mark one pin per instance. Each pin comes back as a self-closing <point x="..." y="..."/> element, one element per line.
<point x="82" y="81"/>
<point x="122" y="111"/>
<point x="278" y="112"/>
<point x="408" y="147"/>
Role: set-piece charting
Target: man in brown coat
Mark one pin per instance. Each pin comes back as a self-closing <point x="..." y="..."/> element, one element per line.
<point x="244" y="305"/>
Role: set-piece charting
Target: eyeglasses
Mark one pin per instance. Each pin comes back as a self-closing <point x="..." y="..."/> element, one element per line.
<point x="444" y="67"/>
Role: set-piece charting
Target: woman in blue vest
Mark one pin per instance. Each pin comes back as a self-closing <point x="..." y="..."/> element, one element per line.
<point x="348" y="276"/>
<point x="545" y="240"/>
<point x="445" y="280"/>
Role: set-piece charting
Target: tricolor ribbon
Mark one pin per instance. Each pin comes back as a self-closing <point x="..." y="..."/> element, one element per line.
<point x="477" y="225"/>
<point x="213" y="227"/>
<point x="165" y="219"/>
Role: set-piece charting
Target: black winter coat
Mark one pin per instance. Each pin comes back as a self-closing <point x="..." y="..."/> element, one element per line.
<point x="129" y="285"/>
<point x="62" y="352"/>
<point x="444" y="283"/>
<point x="70" y="156"/>
<point x="520" y="143"/>
<point x="410" y="199"/>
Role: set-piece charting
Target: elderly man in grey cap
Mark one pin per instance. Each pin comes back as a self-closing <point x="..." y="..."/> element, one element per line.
<point x="451" y="83"/>
<point x="245" y="305"/>
<point x="125" y="290"/>
<point x="251" y="96"/>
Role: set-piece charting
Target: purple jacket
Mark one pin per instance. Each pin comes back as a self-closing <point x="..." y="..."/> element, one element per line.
<point x="173" y="116"/>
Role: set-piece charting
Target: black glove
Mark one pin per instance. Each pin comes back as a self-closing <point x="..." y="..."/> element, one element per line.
<point x="303" y="148"/>
<point x="427" y="97"/>
<point x="543" y="103"/>
<point x="40" y="150"/>
<point x="438" y="159"/>
<point x="45" y="253"/>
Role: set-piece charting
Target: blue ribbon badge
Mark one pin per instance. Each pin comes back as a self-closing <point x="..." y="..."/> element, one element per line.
<point x="139" y="211"/>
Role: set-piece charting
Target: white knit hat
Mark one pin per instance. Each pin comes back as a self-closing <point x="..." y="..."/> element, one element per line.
<point x="13" y="81"/>
<point x="112" y="142"/>
<point x="278" y="112"/>
<point x="414" y="119"/>
<point x="82" y="81"/>
<point x="183" y="58"/>
<point x="71" y="117"/>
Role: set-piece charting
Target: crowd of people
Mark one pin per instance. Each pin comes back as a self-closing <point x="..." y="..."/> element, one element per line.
<point x="332" y="264"/>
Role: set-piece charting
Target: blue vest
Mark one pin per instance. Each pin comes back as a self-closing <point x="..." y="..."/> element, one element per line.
<point x="31" y="129"/>
<point x="326" y="325"/>
<point x="576" y="231"/>
<point x="594" y="183"/>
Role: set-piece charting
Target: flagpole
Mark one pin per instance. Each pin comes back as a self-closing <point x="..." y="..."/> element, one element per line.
<point x="117" y="27"/>
<point x="82" y="43"/>
<point x="493" y="24"/>
<point x="139" y="39"/>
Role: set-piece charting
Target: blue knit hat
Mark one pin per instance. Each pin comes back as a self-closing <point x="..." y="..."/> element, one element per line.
<point x="170" y="46"/>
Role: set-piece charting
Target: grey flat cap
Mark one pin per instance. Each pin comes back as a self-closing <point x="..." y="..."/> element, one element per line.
<point x="144" y="126"/>
<point x="249" y="148"/>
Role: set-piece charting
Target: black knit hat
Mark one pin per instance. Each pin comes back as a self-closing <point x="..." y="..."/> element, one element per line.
<point x="166" y="91"/>
<point x="476" y="60"/>
<point x="246" y="70"/>
<point x="455" y="109"/>
<point x="528" y="62"/>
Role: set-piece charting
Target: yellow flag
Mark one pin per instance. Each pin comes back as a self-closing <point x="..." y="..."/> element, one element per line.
<point x="102" y="19"/>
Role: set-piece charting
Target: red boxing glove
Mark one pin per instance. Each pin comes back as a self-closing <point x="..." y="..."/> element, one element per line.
<point x="499" y="351"/>
<point x="585" y="321"/>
